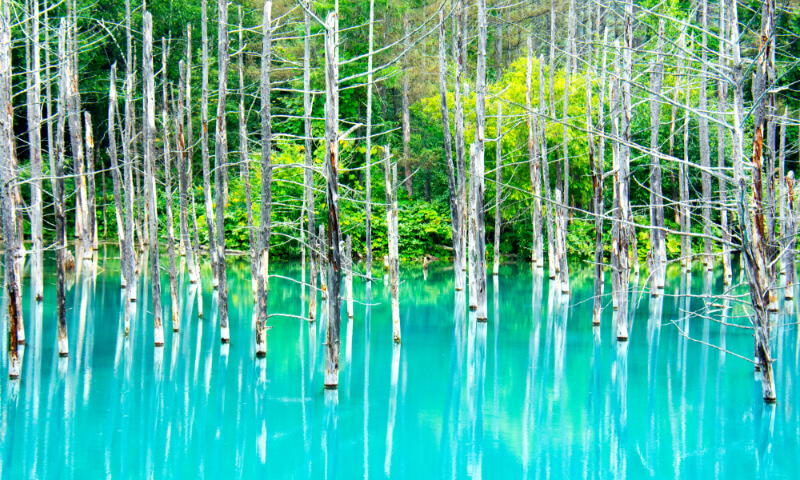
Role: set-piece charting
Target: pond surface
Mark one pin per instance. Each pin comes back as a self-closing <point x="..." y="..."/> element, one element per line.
<point x="536" y="392"/>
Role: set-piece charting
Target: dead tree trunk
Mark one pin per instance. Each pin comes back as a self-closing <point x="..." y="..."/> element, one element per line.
<point x="551" y="257"/>
<point x="658" y="250"/>
<point x="115" y="173"/>
<point x="220" y="168"/>
<point x="308" y="173"/>
<point x="265" y="228"/>
<point x="128" y="159"/>
<point x="58" y="201"/>
<point x="244" y="160"/>
<point x="35" y="142"/>
<point x="190" y="161"/>
<point x="390" y="176"/>
<point x="498" y="221"/>
<point x="204" y="148"/>
<point x="150" y="159"/>
<point x="349" y="276"/>
<point x="480" y="138"/>
<point x="173" y="276"/>
<point x="627" y="230"/>
<point x="537" y="247"/>
<point x="406" y="125"/>
<point x="76" y="139"/>
<point x="753" y="235"/>
<point x="597" y="200"/>
<point x="332" y="198"/>
<point x="184" y="182"/>
<point x="452" y="188"/>
<point x="791" y="238"/>
<point x="683" y="173"/>
<point x="705" y="151"/>
<point x="722" y="95"/>
<point x="459" y="50"/>
<point x="368" y="152"/>
<point x="8" y="175"/>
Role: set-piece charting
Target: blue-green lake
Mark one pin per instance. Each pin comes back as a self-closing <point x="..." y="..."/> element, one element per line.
<point x="536" y="392"/>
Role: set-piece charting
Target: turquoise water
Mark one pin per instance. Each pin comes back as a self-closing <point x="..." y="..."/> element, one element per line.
<point x="534" y="393"/>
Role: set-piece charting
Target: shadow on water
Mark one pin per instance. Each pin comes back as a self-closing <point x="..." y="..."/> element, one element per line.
<point x="537" y="392"/>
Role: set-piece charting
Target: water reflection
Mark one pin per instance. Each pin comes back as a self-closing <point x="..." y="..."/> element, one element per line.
<point x="534" y="393"/>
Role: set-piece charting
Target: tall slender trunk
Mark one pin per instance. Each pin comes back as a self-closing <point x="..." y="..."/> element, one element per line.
<point x="686" y="219"/>
<point x="390" y="177"/>
<point x="534" y="166"/>
<point x="459" y="59"/>
<point x="149" y="113"/>
<point x="658" y="250"/>
<point x="209" y="211"/>
<point x="168" y="197"/>
<point x="78" y="159"/>
<point x="332" y="198"/>
<point x="308" y="172"/>
<point x="755" y="257"/>
<point x="58" y="201"/>
<point x="220" y="168"/>
<point x="348" y="281"/>
<point x="35" y="142"/>
<point x="498" y="193"/>
<point x="480" y="138"/>
<point x="190" y="161"/>
<point x="722" y="96"/>
<point x="627" y="230"/>
<point x="244" y="160"/>
<point x="406" y="125"/>
<point x="368" y="151"/>
<point x="705" y="151"/>
<point x="542" y="131"/>
<point x="265" y="228"/>
<point x="8" y="174"/>
<point x="184" y="182"/>
<point x="115" y="173"/>
<point x="452" y="188"/>
<point x="128" y="159"/>
<point x="615" y="224"/>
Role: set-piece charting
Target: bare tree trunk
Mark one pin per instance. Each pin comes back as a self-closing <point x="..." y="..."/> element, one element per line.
<point x="61" y="231"/>
<point x="190" y="157"/>
<point x="332" y="196"/>
<point x="537" y="249"/>
<point x="626" y="222"/>
<point x="184" y="184"/>
<point x="755" y="258"/>
<point x="173" y="276"/>
<point x="551" y="256"/>
<point x="265" y="228"/>
<point x="204" y="149"/>
<point x="597" y="197"/>
<point x="791" y="238"/>
<point x="658" y="250"/>
<point x="220" y="169"/>
<point x="308" y="173"/>
<point x="244" y="160"/>
<point x="128" y="158"/>
<point x="150" y="159"/>
<point x="76" y="139"/>
<point x="705" y="151"/>
<point x="459" y="57"/>
<point x="615" y="105"/>
<point x="115" y="174"/>
<point x="35" y="143"/>
<point x="406" y="125"/>
<point x="722" y="95"/>
<point x="683" y="172"/>
<point x="390" y="176"/>
<point x="452" y="188"/>
<point x="498" y="221"/>
<point x="8" y="174"/>
<point x="91" y="205"/>
<point x="480" y="138"/>
<point x="349" y="276"/>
